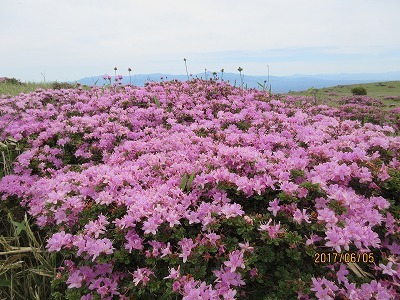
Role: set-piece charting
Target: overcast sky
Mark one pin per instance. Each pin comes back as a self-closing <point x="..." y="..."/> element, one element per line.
<point x="71" y="39"/>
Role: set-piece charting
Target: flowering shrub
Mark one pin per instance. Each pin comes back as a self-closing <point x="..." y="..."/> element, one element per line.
<point x="199" y="190"/>
<point x="396" y="98"/>
<point x="362" y="108"/>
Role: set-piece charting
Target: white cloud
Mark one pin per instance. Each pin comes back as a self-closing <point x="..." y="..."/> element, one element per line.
<point x="87" y="36"/>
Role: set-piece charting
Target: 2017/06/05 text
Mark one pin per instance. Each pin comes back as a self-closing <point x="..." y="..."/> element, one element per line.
<point x="346" y="257"/>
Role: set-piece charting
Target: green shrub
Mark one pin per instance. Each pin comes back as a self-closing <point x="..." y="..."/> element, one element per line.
<point x="359" y="90"/>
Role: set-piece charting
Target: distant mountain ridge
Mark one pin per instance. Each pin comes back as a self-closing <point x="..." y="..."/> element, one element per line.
<point x="279" y="84"/>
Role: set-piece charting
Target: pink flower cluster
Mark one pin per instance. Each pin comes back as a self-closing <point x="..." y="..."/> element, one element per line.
<point x="149" y="160"/>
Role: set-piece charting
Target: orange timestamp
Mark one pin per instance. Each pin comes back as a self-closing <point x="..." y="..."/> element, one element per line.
<point x="344" y="257"/>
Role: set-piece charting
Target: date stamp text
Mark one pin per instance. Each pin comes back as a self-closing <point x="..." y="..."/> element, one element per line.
<point x="344" y="257"/>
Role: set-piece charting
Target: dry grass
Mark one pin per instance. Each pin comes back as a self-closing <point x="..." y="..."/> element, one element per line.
<point x="26" y="268"/>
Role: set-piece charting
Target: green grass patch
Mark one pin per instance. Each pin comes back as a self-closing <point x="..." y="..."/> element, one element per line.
<point x="14" y="87"/>
<point x="388" y="92"/>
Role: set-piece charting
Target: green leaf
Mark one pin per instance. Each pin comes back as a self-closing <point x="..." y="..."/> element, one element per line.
<point x="156" y="101"/>
<point x="19" y="227"/>
<point x="183" y="182"/>
<point x="191" y="178"/>
<point x="4" y="282"/>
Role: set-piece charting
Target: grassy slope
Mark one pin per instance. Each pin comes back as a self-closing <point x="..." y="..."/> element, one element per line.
<point x="15" y="89"/>
<point x="378" y="90"/>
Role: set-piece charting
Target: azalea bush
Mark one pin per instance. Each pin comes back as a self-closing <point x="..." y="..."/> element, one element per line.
<point x="199" y="190"/>
<point x="358" y="108"/>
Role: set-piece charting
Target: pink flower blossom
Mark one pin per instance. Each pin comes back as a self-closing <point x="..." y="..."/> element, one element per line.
<point x="142" y="275"/>
<point x="336" y="239"/>
<point x="273" y="230"/>
<point x="75" y="280"/>
<point x="313" y="238"/>
<point x="186" y="245"/>
<point x="323" y="288"/>
<point x="235" y="260"/>
<point x="232" y="210"/>
<point x="388" y="269"/>
<point x="253" y="272"/>
<point x="383" y="174"/>
<point x="342" y="273"/>
<point x="299" y="216"/>
<point x="274" y="207"/>
<point x="58" y="240"/>
<point x="134" y="241"/>
<point x="327" y="216"/>
<point x="97" y="227"/>
<point x="174" y="273"/>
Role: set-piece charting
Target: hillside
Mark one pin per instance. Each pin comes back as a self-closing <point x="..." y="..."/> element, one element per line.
<point x="388" y="92"/>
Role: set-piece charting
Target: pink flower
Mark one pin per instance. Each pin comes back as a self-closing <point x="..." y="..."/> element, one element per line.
<point x="173" y="219"/>
<point x="246" y="247"/>
<point x="176" y="286"/>
<point x="244" y="184"/>
<point x="116" y="150"/>
<point x="150" y="226"/>
<point x="272" y="230"/>
<point x="226" y="278"/>
<point x="97" y="227"/>
<point x="327" y="216"/>
<point x="75" y="280"/>
<point x="142" y="275"/>
<point x="229" y="294"/>
<point x="342" y="273"/>
<point x="174" y="273"/>
<point x="212" y="238"/>
<point x="336" y="238"/>
<point x="58" y="240"/>
<point x="274" y="207"/>
<point x="383" y="174"/>
<point x="93" y="247"/>
<point x="232" y="210"/>
<point x="313" y="238"/>
<point x="167" y="250"/>
<point x="289" y="187"/>
<point x="380" y="202"/>
<point x="235" y="260"/>
<point x="298" y="216"/>
<point x="96" y="247"/>
<point x="187" y="245"/>
<point x="253" y="272"/>
<point x="87" y="297"/>
<point x="388" y="269"/>
<point x="156" y="247"/>
<point x="323" y="288"/>
<point x="133" y="241"/>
